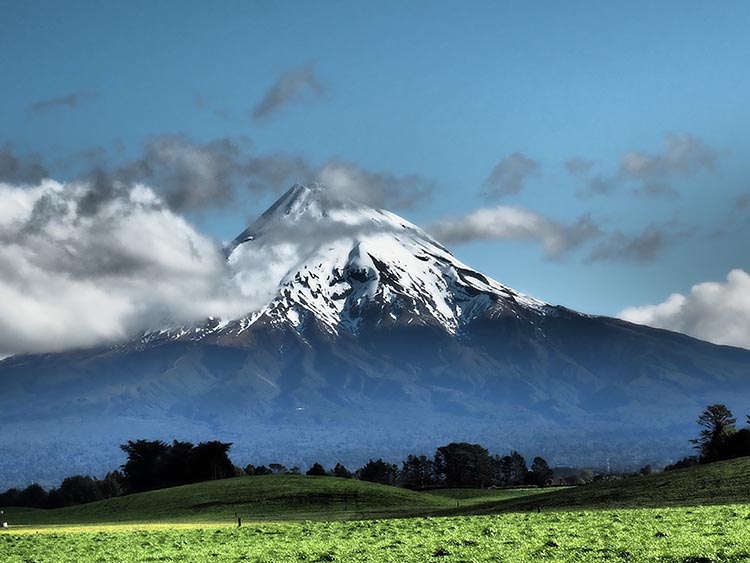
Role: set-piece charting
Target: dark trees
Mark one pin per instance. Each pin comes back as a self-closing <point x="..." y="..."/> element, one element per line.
<point x="317" y="470"/>
<point x="78" y="489"/>
<point x="378" y="471"/>
<point x="154" y="464"/>
<point x="718" y="423"/>
<point x="460" y="464"/>
<point x="540" y="472"/>
<point x="342" y="472"/>
<point x="33" y="496"/>
<point x="209" y="461"/>
<point x="417" y="472"/>
<point x="145" y="467"/>
<point x="509" y="469"/>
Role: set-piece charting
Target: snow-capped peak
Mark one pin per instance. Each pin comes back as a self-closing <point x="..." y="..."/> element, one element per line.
<point x="315" y="257"/>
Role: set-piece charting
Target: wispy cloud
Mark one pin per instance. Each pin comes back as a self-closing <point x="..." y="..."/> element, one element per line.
<point x="292" y="86"/>
<point x="72" y="100"/>
<point x="509" y="176"/>
<point x="643" y="246"/>
<point x="647" y="174"/>
<point x="683" y="155"/>
<point x="514" y="223"/>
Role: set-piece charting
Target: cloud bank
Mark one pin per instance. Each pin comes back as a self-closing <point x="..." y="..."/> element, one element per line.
<point x="70" y="279"/>
<point x="192" y="176"/>
<point x="715" y="311"/>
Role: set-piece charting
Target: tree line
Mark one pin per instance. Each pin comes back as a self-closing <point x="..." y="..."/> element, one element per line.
<point x="455" y="465"/>
<point x="154" y="464"/>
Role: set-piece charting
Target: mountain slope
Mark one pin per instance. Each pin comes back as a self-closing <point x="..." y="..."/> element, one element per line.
<point x="364" y="337"/>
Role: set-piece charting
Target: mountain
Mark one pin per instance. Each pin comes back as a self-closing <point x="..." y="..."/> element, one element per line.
<point x="365" y="337"/>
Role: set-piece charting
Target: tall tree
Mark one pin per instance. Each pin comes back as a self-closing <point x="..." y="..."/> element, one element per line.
<point x="378" y="471"/>
<point x="144" y="468"/>
<point x="460" y="464"/>
<point x="210" y="461"/>
<point x="417" y="472"/>
<point x="316" y="470"/>
<point x="540" y="472"/>
<point x="718" y="423"/>
<point x="342" y="472"/>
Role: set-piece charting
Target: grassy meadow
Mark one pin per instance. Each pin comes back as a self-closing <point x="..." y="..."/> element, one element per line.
<point x="696" y="515"/>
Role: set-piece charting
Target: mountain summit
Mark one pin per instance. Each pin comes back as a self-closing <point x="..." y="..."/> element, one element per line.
<point x="343" y="265"/>
<point x="364" y="337"/>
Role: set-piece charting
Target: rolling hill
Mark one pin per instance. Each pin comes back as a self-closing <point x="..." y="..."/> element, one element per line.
<point x="286" y="497"/>
<point x="724" y="482"/>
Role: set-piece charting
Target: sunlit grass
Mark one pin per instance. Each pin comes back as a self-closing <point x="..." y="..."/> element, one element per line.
<point x="680" y="535"/>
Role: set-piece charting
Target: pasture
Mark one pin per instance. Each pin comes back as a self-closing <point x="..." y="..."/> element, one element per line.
<point x="696" y="515"/>
<point x="679" y="535"/>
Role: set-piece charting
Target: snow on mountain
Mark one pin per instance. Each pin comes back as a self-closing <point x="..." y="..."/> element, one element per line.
<point x="313" y="257"/>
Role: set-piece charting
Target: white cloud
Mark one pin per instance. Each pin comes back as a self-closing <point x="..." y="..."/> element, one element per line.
<point x="715" y="311"/>
<point x="71" y="280"/>
<point x="514" y="223"/>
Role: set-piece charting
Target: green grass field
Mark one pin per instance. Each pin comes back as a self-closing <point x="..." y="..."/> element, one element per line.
<point x="675" y="535"/>
<point x="697" y="515"/>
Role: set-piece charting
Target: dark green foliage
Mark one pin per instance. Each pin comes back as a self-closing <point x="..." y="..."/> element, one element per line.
<point x="33" y="496"/>
<point x="155" y="464"/>
<point x="718" y="424"/>
<point x="509" y="470"/>
<point x="342" y="472"/>
<point x="78" y="489"/>
<point x="540" y="473"/>
<point x="460" y="464"/>
<point x="277" y="469"/>
<point x="317" y="470"/>
<point x="736" y="444"/>
<point x="378" y="472"/>
<point x="146" y="466"/>
<point x="417" y="472"/>
<point x="210" y="461"/>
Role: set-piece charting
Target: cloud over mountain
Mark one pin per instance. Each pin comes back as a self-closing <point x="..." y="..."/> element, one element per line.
<point x="70" y="279"/>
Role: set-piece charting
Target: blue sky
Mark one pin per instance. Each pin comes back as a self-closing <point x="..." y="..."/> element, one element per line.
<point x="446" y="91"/>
